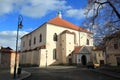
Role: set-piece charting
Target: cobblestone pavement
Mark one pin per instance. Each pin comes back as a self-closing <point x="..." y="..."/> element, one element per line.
<point x="66" y="73"/>
<point x="5" y="75"/>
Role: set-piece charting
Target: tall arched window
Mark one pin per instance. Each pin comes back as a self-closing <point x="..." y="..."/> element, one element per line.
<point x="34" y="40"/>
<point x="54" y="54"/>
<point x="30" y="42"/>
<point x="23" y="43"/>
<point x="55" y="37"/>
<point x="87" y="41"/>
<point x="40" y="38"/>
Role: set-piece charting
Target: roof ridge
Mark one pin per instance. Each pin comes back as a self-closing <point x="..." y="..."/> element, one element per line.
<point x="61" y="22"/>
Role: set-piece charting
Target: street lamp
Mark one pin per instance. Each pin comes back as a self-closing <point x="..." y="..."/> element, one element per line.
<point x="20" y="19"/>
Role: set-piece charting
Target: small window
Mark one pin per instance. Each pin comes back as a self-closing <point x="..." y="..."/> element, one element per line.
<point x="99" y="54"/>
<point x="70" y="54"/>
<point x="115" y="46"/>
<point x="40" y="38"/>
<point x="55" y="37"/>
<point x="34" y="40"/>
<point x="30" y="42"/>
<point x="87" y="42"/>
<point x="23" y="43"/>
<point x="54" y="54"/>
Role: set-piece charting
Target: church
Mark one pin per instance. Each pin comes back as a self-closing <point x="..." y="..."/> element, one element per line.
<point x="55" y="42"/>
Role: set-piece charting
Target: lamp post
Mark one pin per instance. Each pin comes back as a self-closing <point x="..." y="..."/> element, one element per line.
<point x="20" y="19"/>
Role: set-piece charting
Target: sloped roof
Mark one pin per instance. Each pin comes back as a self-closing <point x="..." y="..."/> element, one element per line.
<point x="114" y="35"/>
<point x="82" y="49"/>
<point x="86" y="49"/>
<point x="63" y="23"/>
<point x="6" y="50"/>
<point x="77" y="49"/>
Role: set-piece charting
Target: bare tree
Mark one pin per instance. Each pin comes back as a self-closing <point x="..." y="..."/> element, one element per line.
<point x="103" y="17"/>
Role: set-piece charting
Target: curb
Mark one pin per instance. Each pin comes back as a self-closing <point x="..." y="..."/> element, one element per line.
<point x="108" y="74"/>
<point x="26" y="76"/>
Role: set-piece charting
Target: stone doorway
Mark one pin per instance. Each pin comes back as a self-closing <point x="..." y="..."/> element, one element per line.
<point x="70" y="61"/>
<point x="118" y="61"/>
<point x="84" y="60"/>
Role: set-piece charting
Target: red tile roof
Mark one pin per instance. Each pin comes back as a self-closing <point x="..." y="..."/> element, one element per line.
<point x="63" y="23"/>
<point x="77" y="48"/>
<point x="6" y="50"/>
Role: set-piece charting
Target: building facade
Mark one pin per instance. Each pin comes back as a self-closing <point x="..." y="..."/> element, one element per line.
<point x="113" y="49"/>
<point x="99" y="56"/>
<point x="53" y="43"/>
<point x="84" y="55"/>
<point x="7" y="58"/>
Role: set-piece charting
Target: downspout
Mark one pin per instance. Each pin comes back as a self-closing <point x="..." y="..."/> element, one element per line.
<point x="79" y="36"/>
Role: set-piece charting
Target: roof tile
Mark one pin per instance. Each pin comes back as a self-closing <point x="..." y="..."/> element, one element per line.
<point x="77" y="49"/>
<point x="61" y="22"/>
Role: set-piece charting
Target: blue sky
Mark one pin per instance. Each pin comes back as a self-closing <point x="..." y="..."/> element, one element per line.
<point x="35" y="13"/>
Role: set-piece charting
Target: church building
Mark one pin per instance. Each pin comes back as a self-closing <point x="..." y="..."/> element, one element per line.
<point x="54" y="43"/>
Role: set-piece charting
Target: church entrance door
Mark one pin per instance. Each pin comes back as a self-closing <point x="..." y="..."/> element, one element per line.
<point x="83" y="60"/>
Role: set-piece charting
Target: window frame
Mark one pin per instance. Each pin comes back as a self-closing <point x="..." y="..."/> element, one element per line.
<point x="88" y="42"/>
<point x="54" y="54"/>
<point x="23" y="43"/>
<point x="116" y="46"/>
<point x="34" y="40"/>
<point x="29" y="42"/>
<point x="40" y="38"/>
<point x="55" y="37"/>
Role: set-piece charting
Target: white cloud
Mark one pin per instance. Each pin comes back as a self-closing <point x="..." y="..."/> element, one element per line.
<point x="39" y="8"/>
<point x="8" y="38"/>
<point x="31" y="8"/>
<point x="6" y="6"/>
<point x="88" y="11"/>
<point x="76" y="13"/>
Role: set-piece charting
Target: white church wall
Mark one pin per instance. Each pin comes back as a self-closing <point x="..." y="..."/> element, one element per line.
<point x="48" y="31"/>
<point x="31" y="36"/>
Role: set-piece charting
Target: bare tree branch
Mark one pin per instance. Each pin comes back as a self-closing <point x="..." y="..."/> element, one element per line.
<point x="115" y="10"/>
<point x="112" y="6"/>
<point x="106" y="16"/>
<point x="94" y="17"/>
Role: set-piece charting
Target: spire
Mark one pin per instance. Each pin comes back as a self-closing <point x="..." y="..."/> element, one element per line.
<point x="59" y="14"/>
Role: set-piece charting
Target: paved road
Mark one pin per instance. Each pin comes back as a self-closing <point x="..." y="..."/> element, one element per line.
<point x="61" y="73"/>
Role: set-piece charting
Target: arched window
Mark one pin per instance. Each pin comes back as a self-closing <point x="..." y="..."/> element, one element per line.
<point x="23" y="43"/>
<point x="34" y="40"/>
<point x="54" y="54"/>
<point x="55" y="37"/>
<point x="87" y="41"/>
<point x="40" y="38"/>
<point x="30" y="42"/>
